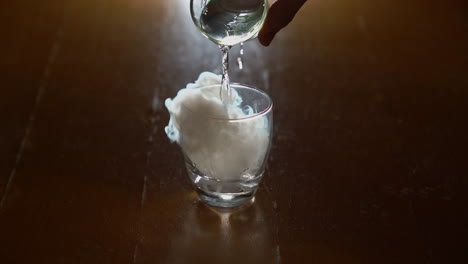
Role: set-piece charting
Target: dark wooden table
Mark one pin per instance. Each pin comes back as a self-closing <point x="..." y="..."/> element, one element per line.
<point x="369" y="162"/>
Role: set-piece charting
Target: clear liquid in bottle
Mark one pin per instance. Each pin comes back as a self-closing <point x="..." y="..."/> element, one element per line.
<point x="230" y="22"/>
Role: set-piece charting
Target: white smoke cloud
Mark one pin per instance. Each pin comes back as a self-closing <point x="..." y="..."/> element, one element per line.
<point x="199" y="123"/>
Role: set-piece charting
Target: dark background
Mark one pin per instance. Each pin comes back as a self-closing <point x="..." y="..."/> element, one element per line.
<point x="369" y="159"/>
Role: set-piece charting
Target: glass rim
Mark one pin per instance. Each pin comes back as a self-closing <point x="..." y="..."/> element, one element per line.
<point x="262" y="113"/>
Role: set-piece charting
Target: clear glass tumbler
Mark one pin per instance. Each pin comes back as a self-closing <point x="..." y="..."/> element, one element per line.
<point x="226" y="159"/>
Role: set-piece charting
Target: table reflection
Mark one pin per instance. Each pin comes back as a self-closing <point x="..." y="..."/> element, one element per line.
<point x="224" y="235"/>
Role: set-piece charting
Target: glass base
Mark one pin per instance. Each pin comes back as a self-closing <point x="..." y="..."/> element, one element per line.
<point x="224" y="193"/>
<point x="225" y="200"/>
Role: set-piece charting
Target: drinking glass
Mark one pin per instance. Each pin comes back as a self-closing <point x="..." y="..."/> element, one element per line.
<point x="226" y="159"/>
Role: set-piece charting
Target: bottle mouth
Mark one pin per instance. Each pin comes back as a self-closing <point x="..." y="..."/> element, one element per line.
<point x="264" y="111"/>
<point x="246" y="5"/>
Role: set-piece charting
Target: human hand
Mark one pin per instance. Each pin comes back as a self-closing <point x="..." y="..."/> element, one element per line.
<point x="281" y="13"/>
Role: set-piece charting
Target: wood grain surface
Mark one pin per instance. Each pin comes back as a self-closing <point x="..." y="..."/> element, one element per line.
<point x="369" y="158"/>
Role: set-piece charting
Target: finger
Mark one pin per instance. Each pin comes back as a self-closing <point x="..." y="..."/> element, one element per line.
<point x="280" y="15"/>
